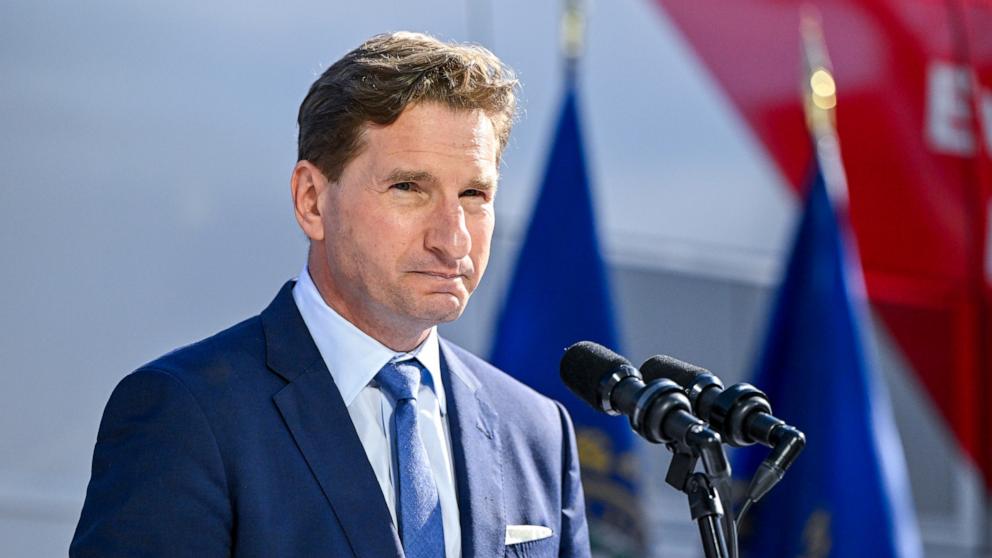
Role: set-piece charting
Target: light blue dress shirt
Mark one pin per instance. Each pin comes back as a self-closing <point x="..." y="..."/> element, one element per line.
<point x="354" y="358"/>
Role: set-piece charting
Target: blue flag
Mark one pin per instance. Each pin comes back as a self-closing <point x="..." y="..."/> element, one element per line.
<point x="847" y="494"/>
<point x="559" y="295"/>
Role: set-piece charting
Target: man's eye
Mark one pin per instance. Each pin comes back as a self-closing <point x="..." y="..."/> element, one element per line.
<point x="472" y="193"/>
<point x="405" y="186"/>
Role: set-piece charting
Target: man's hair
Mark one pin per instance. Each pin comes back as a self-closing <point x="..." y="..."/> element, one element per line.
<point x="386" y="74"/>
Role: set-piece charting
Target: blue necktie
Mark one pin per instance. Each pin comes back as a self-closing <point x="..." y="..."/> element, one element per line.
<point x="419" y="514"/>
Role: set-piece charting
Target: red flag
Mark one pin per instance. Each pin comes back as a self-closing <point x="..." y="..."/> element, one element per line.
<point x="914" y="81"/>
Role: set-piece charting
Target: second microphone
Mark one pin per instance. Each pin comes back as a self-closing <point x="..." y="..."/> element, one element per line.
<point x="659" y="411"/>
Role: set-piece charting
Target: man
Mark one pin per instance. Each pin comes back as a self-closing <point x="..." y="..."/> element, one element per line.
<point x="337" y="423"/>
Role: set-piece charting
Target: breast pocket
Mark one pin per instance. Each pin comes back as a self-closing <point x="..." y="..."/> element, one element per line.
<point x="543" y="548"/>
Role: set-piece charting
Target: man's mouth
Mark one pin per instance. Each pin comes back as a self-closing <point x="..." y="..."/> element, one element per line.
<point x="441" y="274"/>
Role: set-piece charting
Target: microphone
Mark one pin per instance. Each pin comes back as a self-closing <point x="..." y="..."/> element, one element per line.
<point x="658" y="411"/>
<point x="741" y="414"/>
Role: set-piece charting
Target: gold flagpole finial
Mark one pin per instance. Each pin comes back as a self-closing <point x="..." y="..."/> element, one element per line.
<point x="819" y="93"/>
<point x="573" y="30"/>
<point x="819" y="88"/>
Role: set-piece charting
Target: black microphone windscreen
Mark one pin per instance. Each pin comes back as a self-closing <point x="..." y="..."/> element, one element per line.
<point x="664" y="366"/>
<point x="584" y="366"/>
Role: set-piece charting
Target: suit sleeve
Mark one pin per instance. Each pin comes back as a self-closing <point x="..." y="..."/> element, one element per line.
<point x="574" y="529"/>
<point x="158" y="486"/>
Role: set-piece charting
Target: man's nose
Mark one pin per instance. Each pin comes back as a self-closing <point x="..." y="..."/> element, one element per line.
<point x="447" y="234"/>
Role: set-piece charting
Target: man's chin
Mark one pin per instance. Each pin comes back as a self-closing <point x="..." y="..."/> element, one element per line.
<point x="443" y="308"/>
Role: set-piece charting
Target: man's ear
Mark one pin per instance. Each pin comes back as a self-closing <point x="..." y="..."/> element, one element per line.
<point x="307" y="184"/>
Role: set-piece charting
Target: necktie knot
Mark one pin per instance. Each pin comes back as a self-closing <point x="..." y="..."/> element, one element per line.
<point x="400" y="380"/>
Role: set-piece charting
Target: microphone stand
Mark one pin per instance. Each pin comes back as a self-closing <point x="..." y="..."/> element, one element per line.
<point x="705" y="489"/>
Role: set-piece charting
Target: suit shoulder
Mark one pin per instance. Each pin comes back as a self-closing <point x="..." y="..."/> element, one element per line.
<point x="215" y="359"/>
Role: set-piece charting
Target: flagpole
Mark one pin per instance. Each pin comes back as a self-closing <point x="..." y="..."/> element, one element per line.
<point x="543" y="311"/>
<point x="820" y="100"/>
<point x="573" y="35"/>
<point x="706" y="490"/>
<point x="820" y="96"/>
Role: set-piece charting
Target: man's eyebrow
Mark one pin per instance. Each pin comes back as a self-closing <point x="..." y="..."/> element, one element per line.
<point x="404" y="175"/>
<point x="483" y="183"/>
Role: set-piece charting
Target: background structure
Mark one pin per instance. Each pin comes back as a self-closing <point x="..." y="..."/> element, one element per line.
<point x="145" y="155"/>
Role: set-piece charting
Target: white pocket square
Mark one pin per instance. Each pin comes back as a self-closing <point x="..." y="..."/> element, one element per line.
<point x="516" y="534"/>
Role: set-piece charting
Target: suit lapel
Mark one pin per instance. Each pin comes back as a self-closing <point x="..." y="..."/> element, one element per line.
<point x="477" y="457"/>
<point x="315" y="414"/>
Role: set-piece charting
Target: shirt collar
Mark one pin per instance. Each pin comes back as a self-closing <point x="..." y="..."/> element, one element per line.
<point x="352" y="356"/>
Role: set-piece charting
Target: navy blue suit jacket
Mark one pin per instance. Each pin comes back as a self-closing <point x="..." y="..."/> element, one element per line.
<point x="241" y="445"/>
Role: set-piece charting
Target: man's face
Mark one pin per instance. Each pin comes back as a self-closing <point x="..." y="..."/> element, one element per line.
<point x="407" y="226"/>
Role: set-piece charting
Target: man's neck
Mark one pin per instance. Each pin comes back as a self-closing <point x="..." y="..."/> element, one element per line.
<point x="400" y="338"/>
